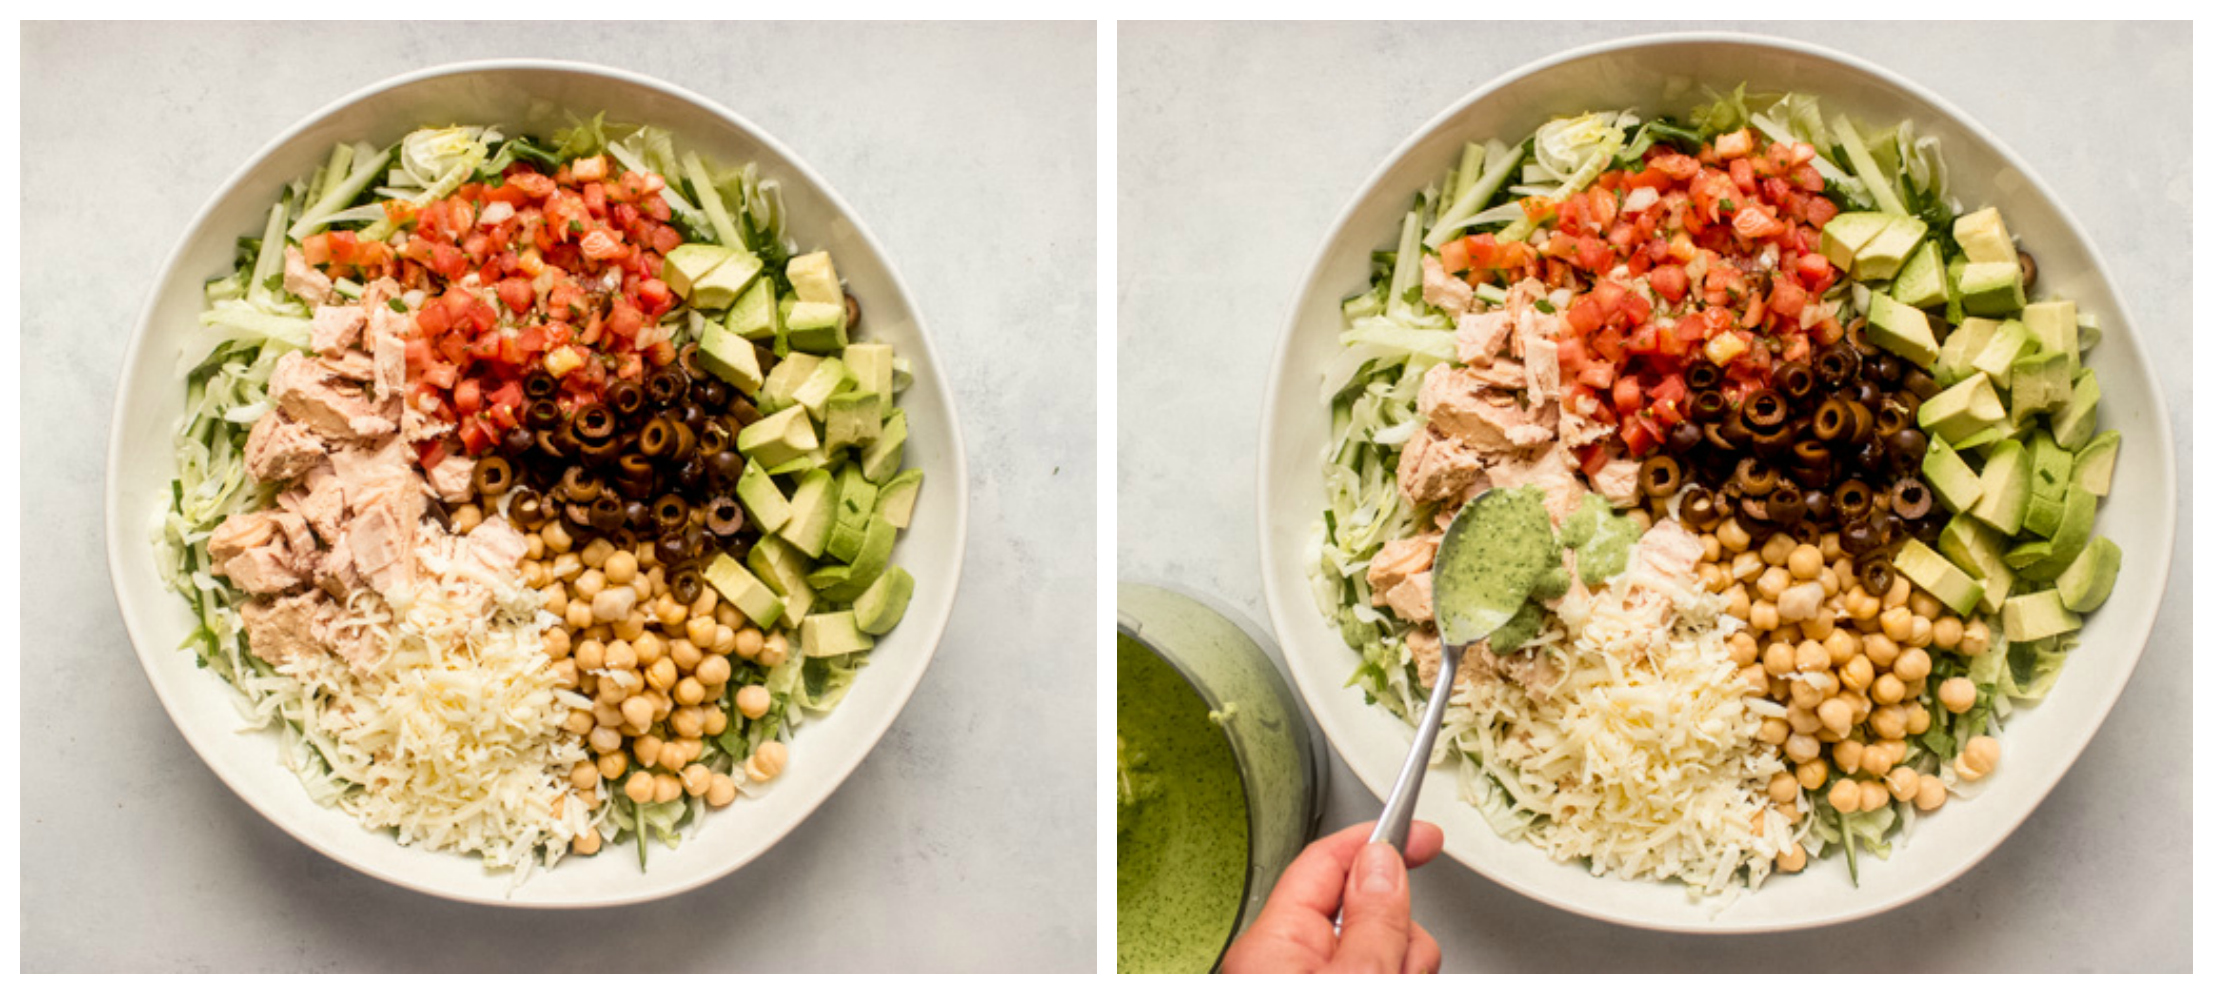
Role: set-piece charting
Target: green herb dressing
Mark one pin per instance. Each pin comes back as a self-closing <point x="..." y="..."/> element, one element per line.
<point x="1180" y="827"/>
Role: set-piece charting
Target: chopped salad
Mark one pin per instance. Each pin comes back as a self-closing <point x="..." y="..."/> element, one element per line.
<point x="1849" y="454"/>
<point x="535" y="488"/>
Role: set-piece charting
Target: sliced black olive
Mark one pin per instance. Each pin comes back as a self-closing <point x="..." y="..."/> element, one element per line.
<point x="1837" y="365"/>
<point x="1708" y="406"/>
<point x="1890" y="420"/>
<point x="686" y="586"/>
<point x="1832" y="420"/>
<point x="743" y="411"/>
<point x="516" y="441"/>
<point x="526" y="508"/>
<point x="607" y="512"/>
<point x="1786" y="504"/>
<point x="1660" y="476"/>
<point x="1876" y="573"/>
<point x="1920" y="384"/>
<point x="600" y="451"/>
<point x="1818" y="507"/>
<point x="691" y="416"/>
<point x="542" y="414"/>
<point x="1753" y="510"/>
<point x="1813" y="479"/>
<point x="1906" y="450"/>
<point x="1910" y="499"/>
<point x="724" y="518"/>
<point x="666" y="387"/>
<point x="670" y="513"/>
<point x="658" y="436"/>
<point x="1754" y="478"/>
<point x="691" y="473"/>
<point x="669" y="548"/>
<point x="634" y="466"/>
<point x="626" y="397"/>
<point x="1797" y="381"/>
<point x="594" y="422"/>
<point x="717" y="436"/>
<point x="493" y="476"/>
<point x="1810" y="452"/>
<point x="687" y="359"/>
<point x="711" y="393"/>
<point x="578" y="485"/>
<point x="2028" y="270"/>
<point x="1764" y="409"/>
<point x="724" y="467"/>
<point x="1854" y="499"/>
<point x="633" y="490"/>
<point x="1862" y="426"/>
<point x="1698" y="509"/>
<point x="1861" y="537"/>
<point x="1886" y="368"/>
<point x="1702" y="375"/>
<point x="550" y="445"/>
<point x="1873" y="457"/>
<point x="577" y="515"/>
<point x="540" y="384"/>
<point x="637" y="516"/>
<point x="853" y="312"/>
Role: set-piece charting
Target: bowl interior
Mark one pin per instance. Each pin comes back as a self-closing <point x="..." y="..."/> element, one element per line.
<point x="523" y="97"/>
<point x="1670" y="75"/>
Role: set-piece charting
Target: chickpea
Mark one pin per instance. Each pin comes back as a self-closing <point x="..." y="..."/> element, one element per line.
<point x="1746" y="566"/>
<point x="1946" y="632"/>
<point x="1801" y="719"/>
<point x="1917" y="718"/>
<point x="1733" y="537"/>
<point x="688" y="691"/>
<point x="1764" y="617"/>
<point x="1876" y="760"/>
<point x="726" y="640"/>
<point x="1712" y="578"/>
<point x="578" y="615"/>
<point x="712" y="721"/>
<point x="685" y="654"/>
<point x="1831" y="583"/>
<point x="565" y="675"/>
<point x="774" y="651"/>
<point x="1778" y="658"/>
<point x="1848" y="754"/>
<point x="697" y="779"/>
<point x="588" y="586"/>
<point x="629" y="628"/>
<point x="1709" y="549"/>
<point x="1810" y="657"/>
<point x="1776" y="550"/>
<point x="1956" y="694"/>
<point x="1930" y="793"/>
<point x="1845" y="796"/>
<point x="1802" y="749"/>
<point x="671" y="615"/>
<point x="556" y="641"/>
<point x="557" y="600"/>
<point x="1805" y="562"/>
<point x="1841" y="645"/>
<point x="1773" y="731"/>
<point x="1860" y="606"/>
<point x="1901" y="590"/>
<point x="1858" y="673"/>
<point x="613" y="765"/>
<point x="687" y="722"/>
<point x="1904" y="783"/>
<point x="534" y="547"/>
<point x="661" y="675"/>
<point x="578" y="723"/>
<point x="1977" y="759"/>
<point x="1819" y="627"/>
<point x="1793" y="860"/>
<point x="767" y="761"/>
<point x="605" y="740"/>
<point x="639" y="788"/>
<point x="620" y="656"/>
<point x="556" y="537"/>
<point x="607" y="715"/>
<point x="621" y="566"/>
<point x="1800" y="603"/>
<point x="1811" y="775"/>
<point x="1911" y="665"/>
<point x="666" y="788"/>
<point x="1789" y="812"/>
<point x="754" y="700"/>
<point x="1772" y="582"/>
<point x="1974" y="640"/>
<point x="637" y="712"/>
<point x="1888" y="721"/>
<point x="1835" y="715"/>
<point x="1832" y="546"/>
<point x="584" y="776"/>
<point x="649" y="648"/>
<point x="713" y="671"/>
<point x="1783" y="788"/>
<point x="721" y="791"/>
<point x="1888" y="689"/>
<point x="587" y="843"/>
<point x="727" y="615"/>
<point x="700" y="629"/>
<point x="1805" y="695"/>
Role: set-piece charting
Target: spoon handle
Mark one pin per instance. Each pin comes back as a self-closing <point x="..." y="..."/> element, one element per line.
<point x="1397" y="819"/>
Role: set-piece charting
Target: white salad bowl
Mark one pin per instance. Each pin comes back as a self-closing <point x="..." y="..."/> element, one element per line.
<point x="523" y="96"/>
<point x="1670" y="74"/>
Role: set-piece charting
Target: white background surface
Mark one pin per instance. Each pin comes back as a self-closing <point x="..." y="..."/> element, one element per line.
<point x="966" y="840"/>
<point x="1239" y="144"/>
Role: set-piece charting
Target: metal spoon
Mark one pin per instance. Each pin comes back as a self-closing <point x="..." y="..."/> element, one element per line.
<point x="1477" y="583"/>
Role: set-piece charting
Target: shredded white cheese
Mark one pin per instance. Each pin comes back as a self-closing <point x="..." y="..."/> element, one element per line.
<point x="1636" y="749"/>
<point x="455" y="737"/>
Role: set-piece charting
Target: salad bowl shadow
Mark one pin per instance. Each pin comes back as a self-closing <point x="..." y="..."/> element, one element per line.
<point x="1649" y="75"/>
<point x="522" y="96"/>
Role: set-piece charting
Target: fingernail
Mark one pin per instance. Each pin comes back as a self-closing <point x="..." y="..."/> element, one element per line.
<point x="1378" y="868"/>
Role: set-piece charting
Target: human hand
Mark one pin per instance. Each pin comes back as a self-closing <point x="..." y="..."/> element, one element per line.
<point x="1295" y="932"/>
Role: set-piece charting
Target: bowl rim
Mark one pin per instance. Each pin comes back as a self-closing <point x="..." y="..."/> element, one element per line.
<point x="931" y="633"/>
<point x="2161" y="431"/>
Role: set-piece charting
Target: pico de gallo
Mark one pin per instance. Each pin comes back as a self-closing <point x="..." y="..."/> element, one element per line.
<point x="1821" y="456"/>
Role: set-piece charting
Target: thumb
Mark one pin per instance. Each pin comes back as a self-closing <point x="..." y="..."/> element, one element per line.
<point x="1378" y="914"/>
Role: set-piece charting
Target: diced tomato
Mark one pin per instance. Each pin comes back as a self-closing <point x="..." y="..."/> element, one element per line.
<point x="1585" y="315"/>
<point x="1592" y="459"/>
<point x="1755" y="222"/>
<point x="1787" y="299"/>
<point x="468" y="397"/>
<point x="1453" y="256"/>
<point x="517" y="294"/>
<point x="1675" y="165"/>
<point x="624" y="321"/>
<point x="1593" y="255"/>
<point x="1669" y="282"/>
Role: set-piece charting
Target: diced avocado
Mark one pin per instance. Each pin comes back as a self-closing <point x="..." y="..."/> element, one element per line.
<point x="1884" y="255"/>
<point x="783" y="382"/>
<point x="2086" y="584"/>
<point x="740" y="587"/>
<point x="856" y="501"/>
<point x="881" y="459"/>
<point x="817" y="328"/>
<point x="828" y="379"/>
<point x="1845" y="234"/>
<point x="782" y="436"/>
<point x="896" y="501"/>
<point x="1982" y="237"/>
<point x="2038" y="384"/>
<point x="725" y="354"/>
<point x="803" y="463"/>
<point x="1933" y="573"/>
<point x="1979" y="551"/>
<point x="1954" y="481"/>
<point x="880" y="607"/>
<point x="778" y="564"/>
<point x="1954" y="267"/>
<point x="832" y="635"/>
<point x="812" y="513"/>
<point x="1962" y="409"/>
<point x="814" y="279"/>
<point x="797" y="602"/>
<point x="754" y="317"/>
<point x="2028" y="554"/>
<point x="1955" y="361"/>
<point x="1991" y="289"/>
<point x="2050" y="473"/>
<point x="2088" y="333"/>
<point x="720" y="288"/>
<point x="849" y="420"/>
<point x="1989" y="436"/>
<point x="687" y="264"/>
<point x="869" y="562"/>
<point x="2094" y="463"/>
<point x="2009" y="342"/>
<point x="2076" y="519"/>
<point x="829" y="576"/>
<point x="2052" y="324"/>
<point x="1901" y="329"/>
<point x="764" y="502"/>
<point x="2005" y="487"/>
<point x="871" y="366"/>
<point x="2079" y="416"/>
<point x="1921" y="282"/>
<point x="2040" y="615"/>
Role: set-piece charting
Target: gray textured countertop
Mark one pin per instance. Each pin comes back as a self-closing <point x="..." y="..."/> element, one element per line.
<point x="969" y="150"/>
<point x="1238" y="145"/>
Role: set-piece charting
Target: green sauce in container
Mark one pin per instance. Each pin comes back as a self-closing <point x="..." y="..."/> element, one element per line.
<point x="1180" y="843"/>
<point x="1218" y="780"/>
